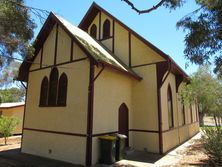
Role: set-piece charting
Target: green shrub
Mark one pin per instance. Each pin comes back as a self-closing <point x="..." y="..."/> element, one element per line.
<point x="212" y="140"/>
<point x="7" y="125"/>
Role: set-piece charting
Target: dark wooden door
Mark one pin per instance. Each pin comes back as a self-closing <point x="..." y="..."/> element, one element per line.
<point x="123" y="122"/>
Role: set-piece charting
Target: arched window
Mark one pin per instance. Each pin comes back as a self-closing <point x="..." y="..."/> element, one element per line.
<point x="62" y="90"/>
<point x="44" y="92"/>
<point x="93" y="31"/>
<point x="106" y="29"/>
<point x="183" y="115"/>
<point x="53" y="82"/>
<point x="170" y="107"/>
<point x="191" y="114"/>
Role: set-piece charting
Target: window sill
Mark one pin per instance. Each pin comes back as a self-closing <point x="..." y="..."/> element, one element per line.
<point x="52" y="105"/>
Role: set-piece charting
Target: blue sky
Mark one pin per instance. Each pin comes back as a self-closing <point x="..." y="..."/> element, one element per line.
<point x="158" y="27"/>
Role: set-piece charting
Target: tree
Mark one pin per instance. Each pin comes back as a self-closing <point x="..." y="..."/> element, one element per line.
<point x="7" y="125"/>
<point x="203" y="27"/>
<point x="12" y="95"/>
<point x="206" y="91"/>
<point x="16" y="30"/>
<point x="8" y="73"/>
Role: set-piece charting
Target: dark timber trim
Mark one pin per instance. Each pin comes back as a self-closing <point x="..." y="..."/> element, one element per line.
<point x="160" y="123"/>
<point x="56" y="44"/>
<point x="100" y="24"/>
<point x="142" y="130"/>
<point x="147" y="64"/>
<point x="129" y="36"/>
<point x="161" y="69"/>
<point x="113" y="42"/>
<point x="41" y="57"/>
<point x="71" y="50"/>
<point x="90" y="115"/>
<point x="68" y="62"/>
<point x="103" y="67"/>
<point x="56" y="132"/>
<point x="179" y="80"/>
<point x="23" y="123"/>
<point x="103" y="39"/>
<point x="181" y="142"/>
<point x="178" y="127"/>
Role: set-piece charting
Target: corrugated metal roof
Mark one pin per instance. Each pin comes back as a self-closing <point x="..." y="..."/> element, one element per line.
<point x="10" y="105"/>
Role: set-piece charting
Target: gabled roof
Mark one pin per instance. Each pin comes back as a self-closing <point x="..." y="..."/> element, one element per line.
<point x="92" y="48"/>
<point x="95" y="9"/>
<point x="11" y="105"/>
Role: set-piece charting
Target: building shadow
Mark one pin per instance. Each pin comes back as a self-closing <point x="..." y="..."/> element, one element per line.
<point x="143" y="156"/>
<point x="14" y="158"/>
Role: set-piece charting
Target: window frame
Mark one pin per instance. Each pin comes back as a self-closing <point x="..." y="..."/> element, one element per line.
<point x="170" y="107"/>
<point x="53" y="87"/>
<point x="42" y="91"/>
<point x="62" y="90"/>
<point x="106" y="29"/>
<point x="93" y="29"/>
<point x="183" y="115"/>
<point x="191" y="114"/>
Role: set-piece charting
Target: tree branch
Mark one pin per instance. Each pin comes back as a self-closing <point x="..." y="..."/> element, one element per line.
<point x="39" y="13"/>
<point x="146" y="10"/>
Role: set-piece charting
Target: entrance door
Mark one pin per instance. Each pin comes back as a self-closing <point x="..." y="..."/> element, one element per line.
<point x="123" y="121"/>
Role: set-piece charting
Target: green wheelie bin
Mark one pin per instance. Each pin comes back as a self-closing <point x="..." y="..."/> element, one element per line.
<point x="107" y="149"/>
<point x="120" y="146"/>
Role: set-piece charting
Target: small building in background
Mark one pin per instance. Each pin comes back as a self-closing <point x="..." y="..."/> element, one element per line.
<point x="13" y="110"/>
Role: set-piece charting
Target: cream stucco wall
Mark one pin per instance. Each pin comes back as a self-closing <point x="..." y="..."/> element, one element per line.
<point x="49" y="49"/>
<point x="55" y="146"/>
<point x="111" y="89"/>
<point x="52" y="118"/>
<point x="36" y="62"/>
<point x="183" y="134"/>
<point x="179" y="133"/>
<point x="64" y="49"/>
<point x="121" y="44"/>
<point x="64" y="123"/>
<point x="16" y="112"/>
<point x="96" y="22"/>
<point x="172" y="82"/>
<point x="141" y="53"/>
<point x="108" y="43"/>
<point x="77" y="52"/>
<point x="145" y="113"/>
<point x="170" y="139"/>
<point x="146" y="141"/>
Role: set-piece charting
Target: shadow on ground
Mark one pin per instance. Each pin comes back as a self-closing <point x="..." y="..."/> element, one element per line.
<point x="14" y="158"/>
<point x="143" y="156"/>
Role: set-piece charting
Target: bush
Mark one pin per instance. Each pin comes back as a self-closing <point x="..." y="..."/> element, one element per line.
<point x="7" y="125"/>
<point x="212" y="140"/>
